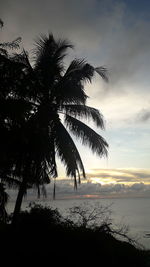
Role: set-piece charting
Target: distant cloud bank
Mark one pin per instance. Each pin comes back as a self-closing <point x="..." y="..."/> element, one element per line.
<point x="106" y="183"/>
<point x="100" y="183"/>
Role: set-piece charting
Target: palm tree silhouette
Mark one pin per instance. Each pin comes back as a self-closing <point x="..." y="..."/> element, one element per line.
<point x="10" y="113"/>
<point x="52" y="101"/>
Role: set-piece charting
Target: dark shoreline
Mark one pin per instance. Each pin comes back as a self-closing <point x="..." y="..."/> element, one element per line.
<point x="42" y="237"/>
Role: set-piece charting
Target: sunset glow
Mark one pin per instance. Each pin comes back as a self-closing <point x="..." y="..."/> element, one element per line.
<point x="125" y="176"/>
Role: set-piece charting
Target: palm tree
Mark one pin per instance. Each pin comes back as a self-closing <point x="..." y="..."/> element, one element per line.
<point x="47" y="92"/>
<point x="11" y="113"/>
<point x="14" y="113"/>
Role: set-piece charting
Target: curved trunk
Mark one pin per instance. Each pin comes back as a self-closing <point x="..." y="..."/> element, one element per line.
<point x="18" y="203"/>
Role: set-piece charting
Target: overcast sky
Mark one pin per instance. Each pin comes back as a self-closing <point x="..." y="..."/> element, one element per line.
<point x="114" y="33"/>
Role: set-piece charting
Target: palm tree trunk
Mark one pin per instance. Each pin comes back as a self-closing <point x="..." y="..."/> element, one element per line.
<point x="18" y="203"/>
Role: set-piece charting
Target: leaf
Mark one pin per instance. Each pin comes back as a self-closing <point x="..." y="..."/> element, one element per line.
<point x="87" y="135"/>
<point x="67" y="151"/>
<point x="70" y="88"/>
<point x="49" y="53"/>
<point x="12" y="45"/>
<point x="84" y="112"/>
<point x="102" y="71"/>
<point x="54" y="189"/>
<point x="1" y="23"/>
<point x="79" y="70"/>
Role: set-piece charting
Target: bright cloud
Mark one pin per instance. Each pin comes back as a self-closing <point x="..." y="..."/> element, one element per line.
<point x="105" y="183"/>
<point x="126" y="176"/>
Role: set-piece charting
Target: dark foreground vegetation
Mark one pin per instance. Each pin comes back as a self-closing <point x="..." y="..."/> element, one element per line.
<point x="42" y="236"/>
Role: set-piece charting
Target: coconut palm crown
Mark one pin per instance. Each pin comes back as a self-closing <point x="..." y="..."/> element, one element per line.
<point x="42" y="93"/>
<point x="56" y="90"/>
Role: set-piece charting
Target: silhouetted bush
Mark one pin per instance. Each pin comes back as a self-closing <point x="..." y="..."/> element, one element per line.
<point x="39" y="216"/>
<point x="44" y="236"/>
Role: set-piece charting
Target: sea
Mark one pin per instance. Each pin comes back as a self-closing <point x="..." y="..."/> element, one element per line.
<point x="130" y="213"/>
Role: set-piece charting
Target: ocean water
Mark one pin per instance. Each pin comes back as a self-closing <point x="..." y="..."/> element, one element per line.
<point x="134" y="213"/>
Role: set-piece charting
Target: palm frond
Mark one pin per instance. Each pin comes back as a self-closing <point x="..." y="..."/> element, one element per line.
<point x="44" y="45"/>
<point x="87" y="135"/>
<point x="22" y="58"/>
<point x="79" y="69"/>
<point x="62" y="47"/>
<point x="1" y="23"/>
<point x="69" y="91"/>
<point x="41" y="147"/>
<point x="67" y="151"/>
<point x="27" y="83"/>
<point x="70" y="88"/>
<point x="49" y="53"/>
<point x="102" y="71"/>
<point x="51" y="158"/>
<point x="54" y="189"/>
<point x="84" y="112"/>
<point x="12" y="45"/>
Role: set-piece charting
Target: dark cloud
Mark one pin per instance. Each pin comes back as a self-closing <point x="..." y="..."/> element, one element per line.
<point x="143" y="116"/>
<point x="139" y="186"/>
<point x="105" y="32"/>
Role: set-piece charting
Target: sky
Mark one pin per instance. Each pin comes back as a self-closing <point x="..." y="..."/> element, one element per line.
<point x="114" y="34"/>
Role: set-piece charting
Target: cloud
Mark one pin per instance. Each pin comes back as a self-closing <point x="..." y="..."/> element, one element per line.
<point x="106" y="183"/>
<point x="143" y="116"/>
<point x="104" y="29"/>
<point x="121" y="175"/>
<point x="122" y="183"/>
<point x="139" y="186"/>
<point x="97" y="190"/>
